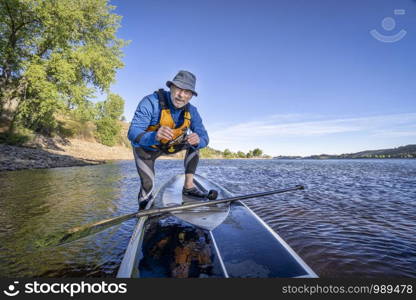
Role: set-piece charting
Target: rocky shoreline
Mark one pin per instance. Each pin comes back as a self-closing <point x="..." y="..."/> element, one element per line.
<point x="17" y="158"/>
<point x="54" y="153"/>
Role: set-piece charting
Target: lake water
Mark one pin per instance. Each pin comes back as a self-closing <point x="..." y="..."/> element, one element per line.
<point x="355" y="218"/>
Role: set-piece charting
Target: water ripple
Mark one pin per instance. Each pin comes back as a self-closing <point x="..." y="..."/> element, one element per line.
<point x="355" y="218"/>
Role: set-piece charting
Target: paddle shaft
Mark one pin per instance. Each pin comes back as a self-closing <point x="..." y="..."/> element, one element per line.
<point x="155" y="211"/>
<point x="85" y="230"/>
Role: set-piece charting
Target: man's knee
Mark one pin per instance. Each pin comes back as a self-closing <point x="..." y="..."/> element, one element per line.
<point x="143" y="154"/>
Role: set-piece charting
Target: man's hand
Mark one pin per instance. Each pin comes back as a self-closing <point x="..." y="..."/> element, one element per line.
<point x="164" y="133"/>
<point x="193" y="139"/>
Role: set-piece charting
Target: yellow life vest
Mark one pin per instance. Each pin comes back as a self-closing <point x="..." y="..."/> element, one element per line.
<point x="179" y="132"/>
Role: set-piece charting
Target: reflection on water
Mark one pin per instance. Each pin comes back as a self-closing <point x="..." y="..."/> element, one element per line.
<point x="356" y="218"/>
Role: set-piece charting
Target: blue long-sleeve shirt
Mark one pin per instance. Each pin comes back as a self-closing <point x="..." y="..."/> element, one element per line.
<point x="148" y="113"/>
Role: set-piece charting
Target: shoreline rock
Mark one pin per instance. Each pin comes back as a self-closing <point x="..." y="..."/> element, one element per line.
<point x="45" y="152"/>
<point x="13" y="158"/>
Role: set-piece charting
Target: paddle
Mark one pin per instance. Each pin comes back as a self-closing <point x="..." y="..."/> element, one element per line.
<point x="85" y="230"/>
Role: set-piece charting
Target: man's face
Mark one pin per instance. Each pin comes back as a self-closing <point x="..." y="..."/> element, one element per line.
<point x="179" y="96"/>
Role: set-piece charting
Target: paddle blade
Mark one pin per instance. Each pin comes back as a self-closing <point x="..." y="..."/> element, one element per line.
<point x="76" y="233"/>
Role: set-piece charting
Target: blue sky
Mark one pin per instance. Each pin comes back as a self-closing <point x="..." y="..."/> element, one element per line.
<point x="292" y="77"/>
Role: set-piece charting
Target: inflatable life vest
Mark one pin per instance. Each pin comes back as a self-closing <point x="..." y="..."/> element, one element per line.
<point x="179" y="132"/>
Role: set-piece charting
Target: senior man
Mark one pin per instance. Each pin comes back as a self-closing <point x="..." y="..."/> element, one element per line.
<point x="165" y="123"/>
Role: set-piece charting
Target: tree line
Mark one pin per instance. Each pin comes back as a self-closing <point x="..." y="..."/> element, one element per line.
<point x="227" y="153"/>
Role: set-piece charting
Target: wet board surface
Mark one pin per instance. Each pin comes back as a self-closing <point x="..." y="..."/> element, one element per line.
<point x="249" y="249"/>
<point x="225" y="241"/>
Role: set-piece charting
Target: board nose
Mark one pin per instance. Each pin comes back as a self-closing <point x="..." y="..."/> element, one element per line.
<point x="207" y="217"/>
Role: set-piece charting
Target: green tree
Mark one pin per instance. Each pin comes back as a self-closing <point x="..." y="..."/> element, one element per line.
<point x="249" y="154"/>
<point x="86" y="111"/>
<point x="109" y="114"/>
<point x="112" y="107"/>
<point x="257" y="152"/>
<point x="241" y="154"/>
<point x="107" y="131"/>
<point x="208" y="152"/>
<point x="54" y="55"/>
<point x="227" y="153"/>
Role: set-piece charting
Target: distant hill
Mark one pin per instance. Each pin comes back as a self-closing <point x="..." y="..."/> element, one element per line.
<point x="408" y="151"/>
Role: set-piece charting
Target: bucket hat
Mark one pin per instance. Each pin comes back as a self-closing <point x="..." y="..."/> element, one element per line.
<point x="184" y="80"/>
